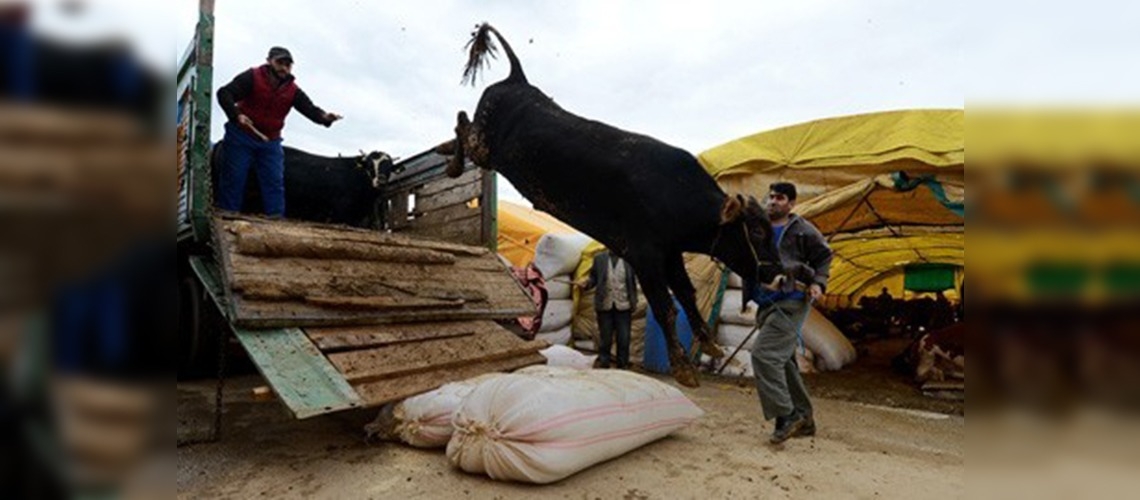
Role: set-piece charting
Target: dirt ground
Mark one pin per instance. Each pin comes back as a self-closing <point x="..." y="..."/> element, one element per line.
<point x="864" y="449"/>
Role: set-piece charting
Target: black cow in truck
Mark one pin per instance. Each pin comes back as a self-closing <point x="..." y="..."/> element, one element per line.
<point x="341" y="190"/>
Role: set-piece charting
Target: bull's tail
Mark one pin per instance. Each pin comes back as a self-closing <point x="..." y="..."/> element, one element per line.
<point x="480" y="47"/>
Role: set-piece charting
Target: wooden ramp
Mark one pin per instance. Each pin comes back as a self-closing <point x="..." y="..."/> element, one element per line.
<point x="338" y="318"/>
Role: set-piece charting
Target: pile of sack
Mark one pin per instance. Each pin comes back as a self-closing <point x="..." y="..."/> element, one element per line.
<point x="556" y="256"/>
<point x="542" y="423"/>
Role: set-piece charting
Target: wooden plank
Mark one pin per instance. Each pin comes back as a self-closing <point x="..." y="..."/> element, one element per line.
<point x="232" y="224"/>
<point x="358" y="337"/>
<point x="466" y="230"/>
<point x="435" y="186"/>
<point x="403" y="359"/>
<point x="253" y="314"/>
<point x="477" y="277"/>
<point x="298" y="278"/>
<point x="449" y="214"/>
<point x="382" y="303"/>
<point x="457" y="195"/>
<point x="265" y="244"/>
<point x="391" y="294"/>
<point x="300" y="375"/>
<point x="397" y="216"/>
<point x="385" y="391"/>
<point x="489" y="206"/>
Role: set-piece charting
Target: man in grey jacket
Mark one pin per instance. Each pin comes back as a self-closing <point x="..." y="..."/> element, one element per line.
<point x="614" y="302"/>
<point x="782" y="312"/>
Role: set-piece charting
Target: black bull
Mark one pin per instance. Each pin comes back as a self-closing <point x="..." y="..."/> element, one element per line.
<point x="645" y="200"/>
<point x="342" y="190"/>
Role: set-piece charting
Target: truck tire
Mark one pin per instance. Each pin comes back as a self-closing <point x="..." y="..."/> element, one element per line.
<point x="197" y="331"/>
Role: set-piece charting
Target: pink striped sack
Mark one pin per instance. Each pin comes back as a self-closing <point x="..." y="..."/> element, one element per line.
<point x="424" y="421"/>
<point x="542" y="424"/>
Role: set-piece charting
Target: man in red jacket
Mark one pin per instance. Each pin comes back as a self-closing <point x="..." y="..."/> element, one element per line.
<point x="256" y="103"/>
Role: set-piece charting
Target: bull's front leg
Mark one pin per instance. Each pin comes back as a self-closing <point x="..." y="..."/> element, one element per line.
<point x="687" y="295"/>
<point x="657" y="293"/>
<point x="455" y="149"/>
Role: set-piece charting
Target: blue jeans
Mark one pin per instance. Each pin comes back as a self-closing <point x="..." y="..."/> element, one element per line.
<point x="239" y="149"/>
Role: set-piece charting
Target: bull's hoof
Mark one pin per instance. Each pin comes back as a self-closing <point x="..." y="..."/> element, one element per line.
<point x="454" y="166"/>
<point x="685" y="374"/>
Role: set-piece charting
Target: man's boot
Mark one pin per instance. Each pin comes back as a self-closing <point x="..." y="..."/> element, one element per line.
<point x="787" y="427"/>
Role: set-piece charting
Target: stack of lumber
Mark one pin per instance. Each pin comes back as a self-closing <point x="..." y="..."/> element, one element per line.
<point x="286" y="273"/>
<point x="395" y="316"/>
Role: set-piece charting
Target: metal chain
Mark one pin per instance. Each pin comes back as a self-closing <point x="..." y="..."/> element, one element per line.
<point x="216" y="431"/>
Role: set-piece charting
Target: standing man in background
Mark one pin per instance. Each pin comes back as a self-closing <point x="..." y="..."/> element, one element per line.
<point x="614" y="303"/>
<point x="256" y="103"/>
<point x="783" y="395"/>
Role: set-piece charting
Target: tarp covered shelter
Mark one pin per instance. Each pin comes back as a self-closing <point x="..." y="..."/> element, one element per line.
<point x="520" y="229"/>
<point x="888" y="189"/>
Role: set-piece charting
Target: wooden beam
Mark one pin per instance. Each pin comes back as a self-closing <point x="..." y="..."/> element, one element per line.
<point x="436" y="186"/>
<point x="405" y="359"/>
<point x="266" y="244"/>
<point x="358" y="337"/>
<point x="233" y="224"/>
<point x="382" y="303"/>
<point x="457" y="195"/>
<point x="379" y="392"/>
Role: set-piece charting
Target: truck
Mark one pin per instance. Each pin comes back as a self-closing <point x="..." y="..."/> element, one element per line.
<point x="336" y="317"/>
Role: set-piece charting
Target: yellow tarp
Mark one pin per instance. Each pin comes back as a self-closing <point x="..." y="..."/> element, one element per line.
<point x="825" y="155"/>
<point x="873" y="202"/>
<point x="842" y="169"/>
<point x="521" y="227"/>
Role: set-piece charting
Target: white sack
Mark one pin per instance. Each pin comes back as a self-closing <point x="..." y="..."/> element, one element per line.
<point x="805" y="361"/>
<point x="832" y="350"/>
<point x="542" y="424"/>
<point x="557" y="253"/>
<point x="585" y="345"/>
<point x="558" y="288"/>
<point x="730" y="309"/>
<point x="557" y="315"/>
<point x="560" y="355"/>
<point x="734" y="281"/>
<point x="557" y="337"/>
<point x="730" y="336"/>
<point x="424" y="421"/>
<point x="737" y="366"/>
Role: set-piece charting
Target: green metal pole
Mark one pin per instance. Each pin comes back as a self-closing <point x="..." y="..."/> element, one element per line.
<point x="201" y="199"/>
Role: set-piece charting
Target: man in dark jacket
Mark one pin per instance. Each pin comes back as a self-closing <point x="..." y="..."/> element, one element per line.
<point x="614" y="303"/>
<point x="256" y="103"/>
<point x="782" y="312"/>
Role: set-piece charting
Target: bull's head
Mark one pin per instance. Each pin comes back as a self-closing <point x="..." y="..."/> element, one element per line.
<point x="746" y="241"/>
<point x="379" y="166"/>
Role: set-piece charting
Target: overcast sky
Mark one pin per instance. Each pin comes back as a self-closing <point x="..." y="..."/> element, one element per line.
<point x="694" y="74"/>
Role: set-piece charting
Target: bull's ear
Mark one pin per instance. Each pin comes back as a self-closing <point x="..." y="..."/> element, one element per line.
<point x="731" y="209"/>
